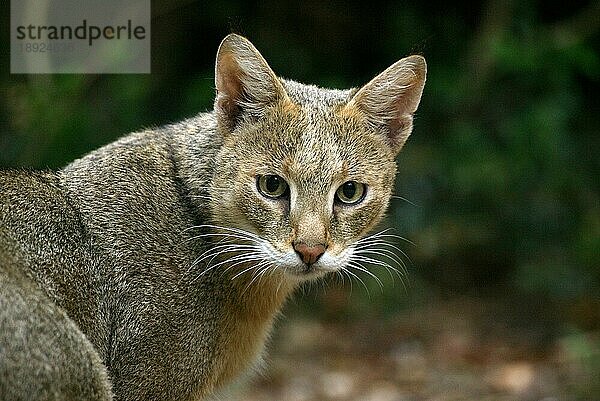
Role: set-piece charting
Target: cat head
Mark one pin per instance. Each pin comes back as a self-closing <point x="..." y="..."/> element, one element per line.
<point x="303" y="172"/>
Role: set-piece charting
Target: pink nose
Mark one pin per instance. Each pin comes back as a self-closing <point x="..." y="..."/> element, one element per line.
<point x="309" y="253"/>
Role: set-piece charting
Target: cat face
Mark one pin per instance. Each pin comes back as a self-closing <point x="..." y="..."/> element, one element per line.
<point x="304" y="172"/>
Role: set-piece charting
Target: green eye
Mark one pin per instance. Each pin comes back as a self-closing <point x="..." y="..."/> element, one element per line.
<point x="272" y="186"/>
<point x="351" y="192"/>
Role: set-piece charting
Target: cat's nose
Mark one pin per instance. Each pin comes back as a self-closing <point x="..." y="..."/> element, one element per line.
<point x="309" y="253"/>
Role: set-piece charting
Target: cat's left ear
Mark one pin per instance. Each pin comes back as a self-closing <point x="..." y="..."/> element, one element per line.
<point x="389" y="100"/>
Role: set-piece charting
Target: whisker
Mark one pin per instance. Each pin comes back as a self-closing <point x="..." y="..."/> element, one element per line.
<point x="361" y="268"/>
<point x="239" y="231"/>
<point x="247" y="270"/>
<point x="381" y="243"/>
<point x="373" y="235"/>
<point x="340" y="277"/>
<point x="223" y="236"/>
<point x="350" y="273"/>
<point x="404" y="199"/>
<point x="225" y="248"/>
<point x="383" y="253"/>
<point x="380" y="251"/>
<point x="242" y="272"/>
<point x="343" y="274"/>
<point x="228" y="242"/>
<point x="280" y="283"/>
<point x="377" y="245"/>
<point x="229" y="248"/>
<point x="324" y="285"/>
<point x="259" y="274"/>
<point x="238" y="259"/>
<point x="389" y="269"/>
<point x="402" y="275"/>
<point x="209" y="187"/>
<point x="243" y="257"/>
<point x="207" y="197"/>
<point x="368" y="239"/>
<point x="376" y="262"/>
<point x="226" y="229"/>
<point x="382" y="234"/>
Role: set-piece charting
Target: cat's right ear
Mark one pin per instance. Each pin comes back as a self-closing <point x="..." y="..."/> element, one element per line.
<point x="389" y="100"/>
<point x="245" y="83"/>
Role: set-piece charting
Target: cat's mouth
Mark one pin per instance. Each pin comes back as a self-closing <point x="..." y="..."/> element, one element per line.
<point x="299" y="269"/>
<point x="306" y="271"/>
<point x="293" y="265"/>
<point x="309" y="270"/>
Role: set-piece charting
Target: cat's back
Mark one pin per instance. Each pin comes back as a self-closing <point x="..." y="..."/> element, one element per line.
<point x="35" y="213"/>
<point x="43" y="355"/>
<point x="26" y="193"/>
<point x="41" y="234"/>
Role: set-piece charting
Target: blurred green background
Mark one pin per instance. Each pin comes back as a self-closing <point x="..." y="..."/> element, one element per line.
<point x="502" y="170"/>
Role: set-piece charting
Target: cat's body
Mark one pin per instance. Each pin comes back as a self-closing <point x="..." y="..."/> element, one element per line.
<point x="152" y="268"/>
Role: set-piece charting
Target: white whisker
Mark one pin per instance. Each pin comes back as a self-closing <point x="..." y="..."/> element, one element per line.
<point x="260" y="271"/>
<point x="241" y="257"/>
<point x="380" y="251"/>
<point x="350" y="273"/>
<point x="239" y="231"/>
<point x="381" y="244"/>
<point x="344" y="273"/>
<point x="373" y="261"/>
<point x="247" y="269"/>
<point x="404" y="199"/>
<point x="230" y="248"/>
<point x="207" y="197"/>
<point x="385" y="254"/>
<point x="363" y="269"/>
<point x="369" y="239"/>
<point x="222" y="249"/>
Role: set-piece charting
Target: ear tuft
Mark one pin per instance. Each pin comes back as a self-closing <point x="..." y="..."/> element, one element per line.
<point x="389" y="100"/>
<point x="245" y="83"/>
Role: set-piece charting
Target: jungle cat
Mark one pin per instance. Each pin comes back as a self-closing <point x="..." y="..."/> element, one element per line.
<point x="153" y="267"/>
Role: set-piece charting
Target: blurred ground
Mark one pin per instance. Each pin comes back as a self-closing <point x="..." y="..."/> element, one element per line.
<point x="467" y="349"/>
